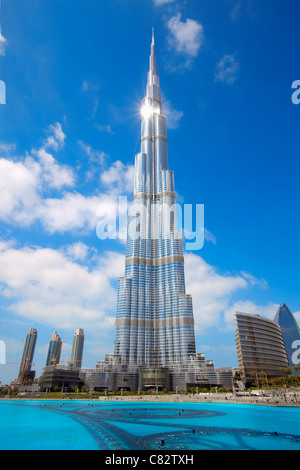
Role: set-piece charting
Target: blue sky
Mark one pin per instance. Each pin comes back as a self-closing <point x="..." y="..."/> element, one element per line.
<point x="75" y="73"/>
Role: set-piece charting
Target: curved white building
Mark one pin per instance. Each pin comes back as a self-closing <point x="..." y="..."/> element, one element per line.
<point x="260" y="346"/>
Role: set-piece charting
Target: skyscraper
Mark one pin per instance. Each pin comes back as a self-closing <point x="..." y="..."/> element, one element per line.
<point x="291" y="333"/>
<point x="154" y="328"/>
<point x="154" y="324"/>
<point x="260" y="347"/>
<point x="77" y="348"/>
<point x="25" y="371"/>
<point x="54" y="350"/>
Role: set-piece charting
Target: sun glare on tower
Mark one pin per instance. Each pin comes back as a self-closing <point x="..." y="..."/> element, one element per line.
<point x="148" y="109"/>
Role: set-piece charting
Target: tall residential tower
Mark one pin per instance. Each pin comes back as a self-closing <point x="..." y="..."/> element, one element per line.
<point x="154" y="329"/>
<point x="154" y="324"/>
<point x="54" y="350"/>
<point x="77" y="348"/>
<point x="25" y="372"/>
<point x="291" y="333"/>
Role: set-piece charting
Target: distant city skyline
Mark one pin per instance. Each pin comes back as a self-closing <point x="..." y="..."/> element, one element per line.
<point x="70" y="127"/>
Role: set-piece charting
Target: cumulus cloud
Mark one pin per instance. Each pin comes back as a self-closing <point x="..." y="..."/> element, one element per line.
<point x="185" y="37"/>
<point x="227" y="69"/>
<point x="210" y="290"/>
<point x="119" y="176"/>
<point x="77" y="251"/>
<point x="56" y="137"/>
<point x="23" y="181"/>
<point x="72" y="212"/>
<point x="214" y="293"/>
<point x="247" y="306"/>
<point x="18" y="189"/>
<point x="49" y="287"/>
<point x="54" y="174"/>
<point x="24" y="184"/>
<point x="76" y="285"/>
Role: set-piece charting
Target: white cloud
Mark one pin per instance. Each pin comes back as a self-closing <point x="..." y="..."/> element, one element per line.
<point x="227" y="69"/>
<point x="89" y="86"/>
<point x="22" y="193"/>
<point x="173" y="116"/>
<point x="76" y="286"/>
<point x="73" y="212"/>
<point x="247" y="306"/>
<point x="54" y="174"/>
<point x="254" y="281"/>
<point x="18" y="189"/>
<point x="119" y="176"/>
<point x="297" y="317"/>
<point x="113" y="264"/>
<point x="77" y="251"/>
<point x="211" y="291"/>
<point x="46" y="286"/>
<point x="162" y="2"/>
<point x="185" y="36"/>
<point x="24" y="183"/>
<point x="95" y="156"/>
<point x="241" y="8"/>
<point x="92" y="90"/>
<point x="236" y="13"/>
<point x="22" y="200"/>
<point x="3" y="43"/>
<point x="213" y="295"/>
<point x="209" y="237"/>
<point x="56" y="137"/>
<point x="104" y="128"/>
<point x="6" y="147"/>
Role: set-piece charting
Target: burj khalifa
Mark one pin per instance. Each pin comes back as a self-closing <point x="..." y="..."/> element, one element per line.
<point x="154" y="322"/>
<point x="154" y="328"/>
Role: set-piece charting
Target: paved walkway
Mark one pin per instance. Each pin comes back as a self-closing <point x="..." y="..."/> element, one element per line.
<point x="277" y="399"/>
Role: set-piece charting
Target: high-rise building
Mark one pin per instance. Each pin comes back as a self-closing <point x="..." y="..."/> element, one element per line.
<point x="291" y="333"/>
<point x="154" y="328"/>
<point x="154" y="323"/>
<point x="54" y="350"/>
<point x="25" y="371"/>
<point x="260" y="347"/>
<point x="77" y="348"/>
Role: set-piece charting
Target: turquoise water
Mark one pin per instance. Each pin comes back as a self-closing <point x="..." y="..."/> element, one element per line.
<point x="90" y="425"/>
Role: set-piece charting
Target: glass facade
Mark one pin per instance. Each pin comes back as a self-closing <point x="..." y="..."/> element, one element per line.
<point x="54" y="350"/>
<point x="28" y="352"/>
<point x="77" y="348"/>
<point x="260" y="346"/>
<point x="291" y="333"/>
<point x="154" y="321"/>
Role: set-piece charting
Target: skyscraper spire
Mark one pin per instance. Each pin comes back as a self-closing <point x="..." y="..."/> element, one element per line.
<point x="153" y="78"/>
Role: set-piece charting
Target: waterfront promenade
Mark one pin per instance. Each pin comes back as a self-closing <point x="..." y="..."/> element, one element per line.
<point x="278" y="399"/>
<point x="267" y="398"/>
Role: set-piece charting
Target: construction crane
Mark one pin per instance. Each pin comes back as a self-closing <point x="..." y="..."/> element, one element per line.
<point x="24" y="369"/>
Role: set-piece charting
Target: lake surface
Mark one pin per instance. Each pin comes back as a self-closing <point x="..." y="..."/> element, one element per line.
<point x="90" y="425"/>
